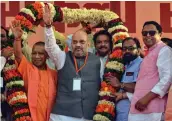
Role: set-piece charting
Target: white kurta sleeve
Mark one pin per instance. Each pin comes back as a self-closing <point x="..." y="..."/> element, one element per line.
<point x="129" y="95"/>
<point x="55" y="53"/>
<point x="164" y="64"/>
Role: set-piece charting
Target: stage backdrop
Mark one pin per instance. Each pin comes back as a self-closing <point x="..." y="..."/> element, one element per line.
<point x="134" y="14"/>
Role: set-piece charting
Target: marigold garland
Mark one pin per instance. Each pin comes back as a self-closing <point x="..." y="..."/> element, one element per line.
<point x="24" y="22"/>
<point x="16" y="97"/>
<point x="31" y="16"/>
<point x="39" y="8"/>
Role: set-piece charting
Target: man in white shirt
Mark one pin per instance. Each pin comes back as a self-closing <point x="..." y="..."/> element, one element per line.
<point x="104" y="45"/>
<point x="78" y="76"/>
<point x="154" y="79"/>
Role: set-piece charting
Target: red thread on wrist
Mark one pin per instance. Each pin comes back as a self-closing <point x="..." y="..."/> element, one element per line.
<point x="17" y="39"/>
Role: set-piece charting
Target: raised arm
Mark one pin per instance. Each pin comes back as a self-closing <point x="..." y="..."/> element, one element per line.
<point x="17" y="31"/>
<point x="53" y="50"/>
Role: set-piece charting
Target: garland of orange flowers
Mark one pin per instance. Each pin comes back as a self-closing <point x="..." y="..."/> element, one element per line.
<point x="39" y="8"/>
<point x="24" y="21"/>
<point x="16" y="95"/>
<point x="32" y="15"/>
<point x="106" y="111"/>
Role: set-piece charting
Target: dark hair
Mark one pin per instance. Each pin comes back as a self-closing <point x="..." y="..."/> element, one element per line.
<point x="168" y="41"/>
<point x="134" y="39"/>
<point x="158" y="26"/>
<point x="9" y="41"/>
<point x="5" y="30"/>
<point x="103" y="32"/>
<point x="39" y="43"/>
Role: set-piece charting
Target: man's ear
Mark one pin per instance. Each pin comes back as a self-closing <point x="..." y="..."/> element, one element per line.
<point x="139" y="51"/>
<point x="47" y="56"/>
<point x="160" y="34"/>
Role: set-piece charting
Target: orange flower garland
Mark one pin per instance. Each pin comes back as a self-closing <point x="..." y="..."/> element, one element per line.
<point x="107" y="87"/>
<point x="24" y="21"/>
<point x="105" y="110"/>
<point x="119" y="37"/>
<point x="106" y="105"/>
<point x="39" y="8"/>
<point x="16" y="96"/>
<point x="116" y="54"/>
<point x="21" y="111"/>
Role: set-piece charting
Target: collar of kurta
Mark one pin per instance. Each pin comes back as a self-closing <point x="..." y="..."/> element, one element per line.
<point x="154" y="46"/>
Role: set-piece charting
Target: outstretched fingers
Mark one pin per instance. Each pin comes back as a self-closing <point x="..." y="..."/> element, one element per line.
<point x="18" y="23"/>
<point x="47" y="10"/>
<point x="12" y="26"/>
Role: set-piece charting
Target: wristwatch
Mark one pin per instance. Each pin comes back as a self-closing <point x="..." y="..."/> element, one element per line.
<point x="48" y="25"/>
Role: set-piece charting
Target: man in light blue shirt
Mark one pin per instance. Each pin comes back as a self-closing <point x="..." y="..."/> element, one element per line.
<point x="132" y="60"/>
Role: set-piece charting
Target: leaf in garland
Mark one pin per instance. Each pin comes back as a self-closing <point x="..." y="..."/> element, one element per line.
<point x="32" y="9"/>
<point x="24" y="28"/>
<point x="32" y="31"/>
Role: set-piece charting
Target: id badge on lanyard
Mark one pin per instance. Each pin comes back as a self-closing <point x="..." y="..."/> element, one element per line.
<point x="77" y="83"/>
<point x="77" y="79"/>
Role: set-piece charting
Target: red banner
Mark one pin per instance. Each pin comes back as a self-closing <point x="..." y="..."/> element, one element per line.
<point x="134" y="14"/>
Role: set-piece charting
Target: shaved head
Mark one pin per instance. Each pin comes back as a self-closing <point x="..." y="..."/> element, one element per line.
<point x="80" y="32"/>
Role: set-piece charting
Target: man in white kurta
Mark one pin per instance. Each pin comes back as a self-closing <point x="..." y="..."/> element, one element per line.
<point x="155" y="76"/>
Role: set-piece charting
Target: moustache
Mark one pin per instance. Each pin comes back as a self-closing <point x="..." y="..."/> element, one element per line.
<point x="128" y="57"/>
<point x="78" y="48"/>
<point x="103" y="47"/>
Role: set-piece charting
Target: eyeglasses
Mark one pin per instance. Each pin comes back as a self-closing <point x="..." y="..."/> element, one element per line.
<point x="129" y="48"/>
<point x="151" y="33"/>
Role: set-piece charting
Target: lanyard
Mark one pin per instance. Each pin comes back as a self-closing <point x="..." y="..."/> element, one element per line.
<point x="76" y="65"/>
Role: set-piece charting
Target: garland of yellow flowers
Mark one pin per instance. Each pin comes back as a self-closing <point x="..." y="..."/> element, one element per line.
<point x="32" y="15"/>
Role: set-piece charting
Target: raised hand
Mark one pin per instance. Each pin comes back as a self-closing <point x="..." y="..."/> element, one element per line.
<point x="16" y="29"/>
<point x="47" y="16"/>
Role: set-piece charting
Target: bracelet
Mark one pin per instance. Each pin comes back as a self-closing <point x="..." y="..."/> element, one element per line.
<point x="48" y="25"/>
<point x="18" y="39"/>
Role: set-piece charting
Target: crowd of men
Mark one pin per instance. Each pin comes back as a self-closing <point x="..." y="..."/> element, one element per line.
<point x="70" y="93"/>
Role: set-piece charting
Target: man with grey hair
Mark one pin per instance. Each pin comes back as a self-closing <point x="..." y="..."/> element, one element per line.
<point x="78" y="76"/>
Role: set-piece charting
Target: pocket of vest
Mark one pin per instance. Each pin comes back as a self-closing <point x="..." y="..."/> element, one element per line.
<point x="64" y="97"/>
